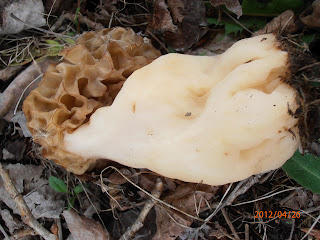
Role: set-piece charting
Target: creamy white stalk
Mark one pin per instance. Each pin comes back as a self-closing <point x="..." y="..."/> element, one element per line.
<point x="214" y="120"/>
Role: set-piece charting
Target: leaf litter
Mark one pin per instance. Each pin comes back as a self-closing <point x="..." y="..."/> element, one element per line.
<point x="179" y="26"/>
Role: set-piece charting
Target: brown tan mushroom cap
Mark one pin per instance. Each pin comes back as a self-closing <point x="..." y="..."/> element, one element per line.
<point x="215" y="120"/>
<point x="90" y="76"/>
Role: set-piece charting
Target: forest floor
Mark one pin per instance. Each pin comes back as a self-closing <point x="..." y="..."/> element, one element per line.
<point x="40" y="199"/>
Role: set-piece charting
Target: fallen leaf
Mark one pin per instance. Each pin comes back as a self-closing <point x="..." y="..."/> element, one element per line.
<point x="83" y="228"/>
<point x="182" y="22"/>
<point x="189" y="198"/>
<point x="169" y="224"/>
<point x="162" y="20"/>
<point x="40" y="198"/>
<point x="7" y="155"/>
<point x="216" y="44"/>
<point x="284" y="23"/>
<point x="29" y="11"/>
<point x="298" y="201"/>
<point x="17" y="148"/>
<point x="232" y="5"/>
<point x="311" y="16"/>
<point x="11" y="223"/>
<point x="20" y="119"/>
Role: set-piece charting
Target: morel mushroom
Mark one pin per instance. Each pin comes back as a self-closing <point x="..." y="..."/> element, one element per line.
<point x="209" y="119"/>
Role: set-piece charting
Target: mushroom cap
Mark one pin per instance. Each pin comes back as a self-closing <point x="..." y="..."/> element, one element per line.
<point x="90" y="76"/>
<point x="214" y="120"/>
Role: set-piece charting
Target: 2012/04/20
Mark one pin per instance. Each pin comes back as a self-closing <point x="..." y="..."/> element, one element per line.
<point x="279" y="214"/>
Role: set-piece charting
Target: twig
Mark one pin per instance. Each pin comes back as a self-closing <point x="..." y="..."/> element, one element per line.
<point x="25" y="213"/>
<point x="233" y="230"/>
<point x="23" y="233"/>
<point x="138" y="224"/>
<point x="160" y="42"/>
<point x="8" y="98"/>
<point x="24" y="90"/>
<point x="265" y="197"/>
<point x="81" y="19"/>
<point x="6" y="236"/>
<point x="310" y="229"/>
<point x="246" y="232"/>
<point x="241" y="188"/>
<point x="8" y="72"/>
<point x="239" y="23"/>
<point x="39" y="29"/>
<point x="308" y="66"/>
<point x="292" y="228"/>
<point x="150" y="195"/>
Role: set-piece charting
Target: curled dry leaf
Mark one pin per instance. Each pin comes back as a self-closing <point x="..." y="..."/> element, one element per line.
<point x="232" y="5"/>
<point x="169" y="224"/>
<point x="180" y="22"/>
<point x="190" y="198"/>
<point x="83" y="228"/>
<point x="311" y="16"/>
<point x="284" y="23"/>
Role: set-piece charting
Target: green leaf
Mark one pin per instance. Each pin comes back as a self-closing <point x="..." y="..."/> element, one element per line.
<point x="52" y="42"/>
<point x="58" y="184"/>
<point x="308" y="38"/>
<point x="270" y="8"/>
<point x="305" y="170"/>
<point x="78" y="189"/>
<point x="69" y="40"/>
<point x="71" y="202"/>
<point x="231" y="26"/>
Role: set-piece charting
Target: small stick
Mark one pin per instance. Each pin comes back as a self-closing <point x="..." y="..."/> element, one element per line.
<point x="82" y="19"/>
<point x="233" y="230"/>
<point x="23" y="233"/>
<point x="292" y="229"/>
<point x="25" y="213"/>
<point x="8" y="98"/>
<point x="6" y="236"/>
<point x="39" y="29"/>
<point x="246" y="231"/>
<point x="138" y="224"/>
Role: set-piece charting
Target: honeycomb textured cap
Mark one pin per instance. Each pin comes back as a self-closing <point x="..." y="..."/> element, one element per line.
<point x="90" y="75"/>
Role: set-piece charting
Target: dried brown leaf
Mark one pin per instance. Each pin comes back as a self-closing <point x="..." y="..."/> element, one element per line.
<point x="180" y="22"/>
<point x="162" y="20"/>
<point x="16" y="147"/>
<point x="190" y="198"/>
<point x="311" y="16"/>
<point x="297" y="201"/>
<point x="284" y="23"/>
<point x="169" y="224"/>
<point x="83" y="228"/>
<point x="232" y="5"/>
<point x="42" y="200"/>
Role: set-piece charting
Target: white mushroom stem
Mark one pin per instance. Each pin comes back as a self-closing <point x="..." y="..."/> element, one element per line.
<point x="203" y="119"/>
